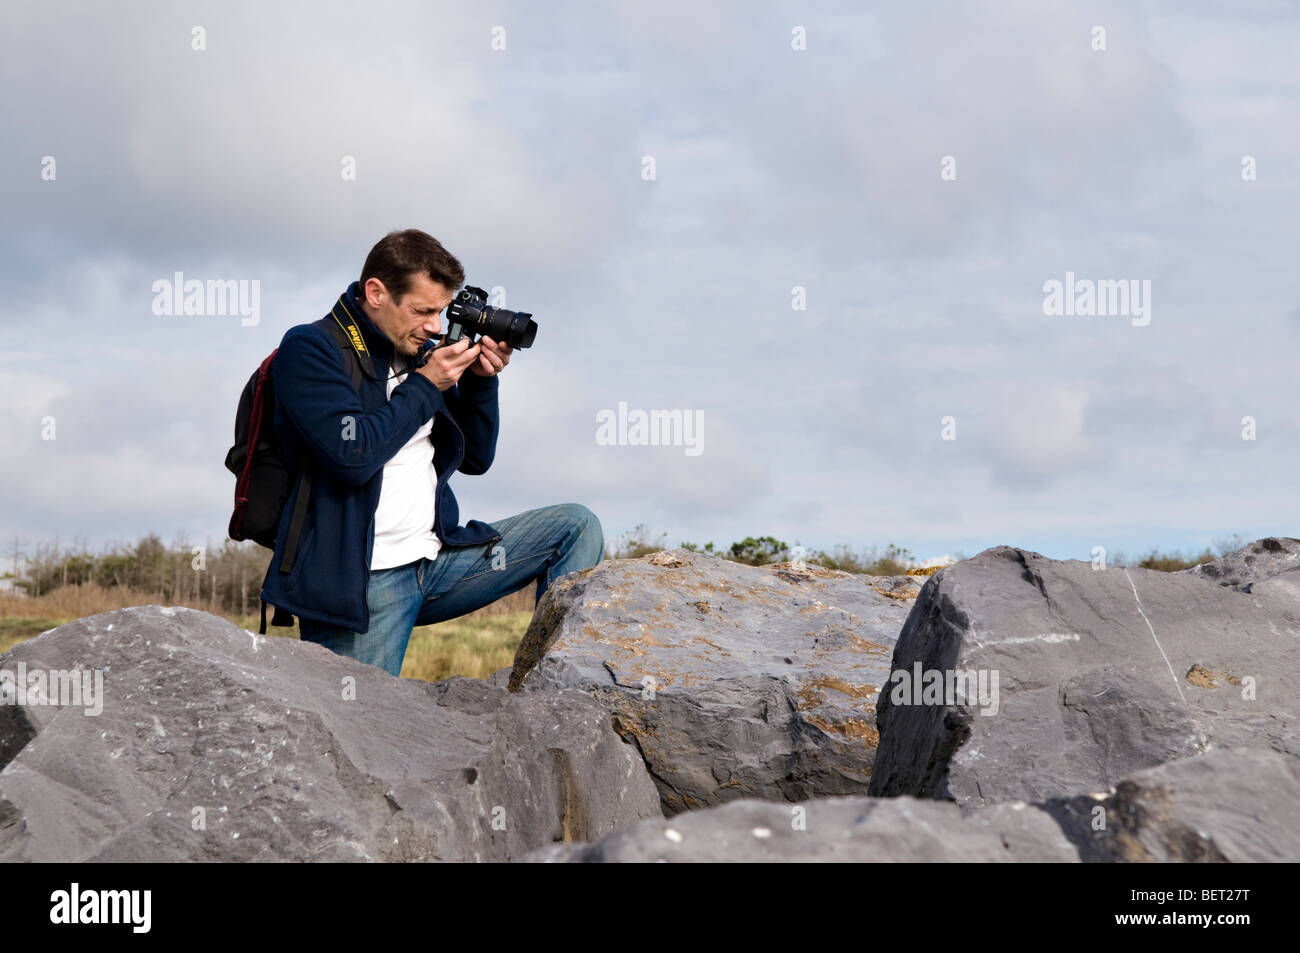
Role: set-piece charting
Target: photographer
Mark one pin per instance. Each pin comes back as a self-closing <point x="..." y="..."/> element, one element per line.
<point x="381" y="548"/>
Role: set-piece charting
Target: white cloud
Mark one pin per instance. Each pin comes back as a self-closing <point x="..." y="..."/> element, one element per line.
<point x="776" y="169"/>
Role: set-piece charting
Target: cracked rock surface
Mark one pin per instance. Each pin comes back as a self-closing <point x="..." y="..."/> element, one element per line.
<point x="1238" y="806"/>
<point x="1100" y="673"/>
<point x="215" y="744"/>
<point x="1227" y="806"/>
<point x="733" y="681"/>
<point x="1257" y="561"/>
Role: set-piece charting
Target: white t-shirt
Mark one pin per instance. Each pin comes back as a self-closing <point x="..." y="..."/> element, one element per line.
<point x="404" y="517"/>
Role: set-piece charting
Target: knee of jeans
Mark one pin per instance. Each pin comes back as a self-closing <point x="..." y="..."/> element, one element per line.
<point x="590" y="537"/>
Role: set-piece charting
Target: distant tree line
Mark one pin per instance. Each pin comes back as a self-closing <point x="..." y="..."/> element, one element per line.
<point x="227" y="579"/>
<point x="223" y="579"/>
<point x="764" y="550"/>
<point x="893" y="560"/>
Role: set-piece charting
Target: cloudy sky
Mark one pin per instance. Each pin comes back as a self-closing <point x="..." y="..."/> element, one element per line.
<point x="921" y="170"/>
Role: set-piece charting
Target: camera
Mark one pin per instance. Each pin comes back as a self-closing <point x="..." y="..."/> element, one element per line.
<point x="469" y="314"/>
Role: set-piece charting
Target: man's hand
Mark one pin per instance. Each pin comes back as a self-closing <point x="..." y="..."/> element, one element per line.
<point x="446" y="364"/>
<point x="493" y="359"/>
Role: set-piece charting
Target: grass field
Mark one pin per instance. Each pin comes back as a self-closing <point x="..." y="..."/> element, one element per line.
<point x="475" y="645"/>
<point x="15" y="629"/>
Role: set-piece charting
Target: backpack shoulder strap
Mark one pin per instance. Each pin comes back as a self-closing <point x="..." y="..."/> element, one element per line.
<point x="356" y="363"/>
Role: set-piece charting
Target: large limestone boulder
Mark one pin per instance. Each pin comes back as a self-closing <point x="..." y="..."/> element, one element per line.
<point x="217" y="744"/>
<point x="1254" y="562"/>
<point x="1238" y="806"/>
<point x="1099" y="673"/>
<point x="1234" y="806"/>
<point x="732" y="681"/>
<point x="831" y="830"/>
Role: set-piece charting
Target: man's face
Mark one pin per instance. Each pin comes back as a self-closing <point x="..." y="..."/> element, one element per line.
<point x="416" y="319"/>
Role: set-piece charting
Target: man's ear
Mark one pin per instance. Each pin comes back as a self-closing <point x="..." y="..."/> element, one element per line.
<point x="375" y="292"/>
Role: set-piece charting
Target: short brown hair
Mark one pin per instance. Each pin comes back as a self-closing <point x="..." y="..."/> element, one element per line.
<point x="399" y="255"/>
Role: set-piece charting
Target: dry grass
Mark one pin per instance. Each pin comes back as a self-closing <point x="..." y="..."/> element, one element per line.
<point x="516" y="602"/>
<point x="475" y="645"/>
<point x="470" y="646"/>
<point x="73" y="602"/>
<point x="15" y="629"/>
<point x="24" y="617"/>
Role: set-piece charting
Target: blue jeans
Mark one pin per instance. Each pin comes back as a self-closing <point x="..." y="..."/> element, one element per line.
<point x="541" y="545"/>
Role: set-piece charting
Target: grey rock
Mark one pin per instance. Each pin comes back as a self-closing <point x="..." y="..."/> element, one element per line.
<point x="256" y="738"/>
<point x="733" y="681"/>
<point x="1238" y="806"/>
<point x="834" y="830"/>
<point x="1100" y="673"/>
<point x="1254" y="562"/>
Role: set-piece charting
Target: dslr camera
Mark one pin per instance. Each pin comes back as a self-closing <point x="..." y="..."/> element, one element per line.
<point x="469" y="315"/>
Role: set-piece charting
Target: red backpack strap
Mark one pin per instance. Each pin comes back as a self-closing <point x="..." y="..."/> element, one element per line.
<point x="254" y="434"/>
<point x="354" y="364"/>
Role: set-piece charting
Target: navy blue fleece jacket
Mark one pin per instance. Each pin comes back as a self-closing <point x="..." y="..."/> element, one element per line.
<point x="347" y="438"/>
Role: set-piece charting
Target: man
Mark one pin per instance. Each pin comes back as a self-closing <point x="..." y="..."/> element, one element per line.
<point x="381" y="548"/>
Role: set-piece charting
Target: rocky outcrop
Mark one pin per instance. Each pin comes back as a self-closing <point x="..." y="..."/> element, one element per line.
<point x="831" y="830"/>
<point x="1028" y="710"/>
<point x="1094" y="674"/>
<point x="217" y="744"/>
<point x="732" y="681"/>
<point x="1254" y="562"/>
<point x="1241" y="806"/>
<point x="1238" y="806"/>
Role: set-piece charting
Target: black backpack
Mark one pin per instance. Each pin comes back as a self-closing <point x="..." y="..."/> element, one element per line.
<point x="264" y="480"/>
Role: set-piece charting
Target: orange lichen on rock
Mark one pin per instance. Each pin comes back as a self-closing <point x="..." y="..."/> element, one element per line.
<point x="813" y="692"/>
<point x="1203" y="677"/>
<point x="903" y="594"/>
<point x="855" y="728"/>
